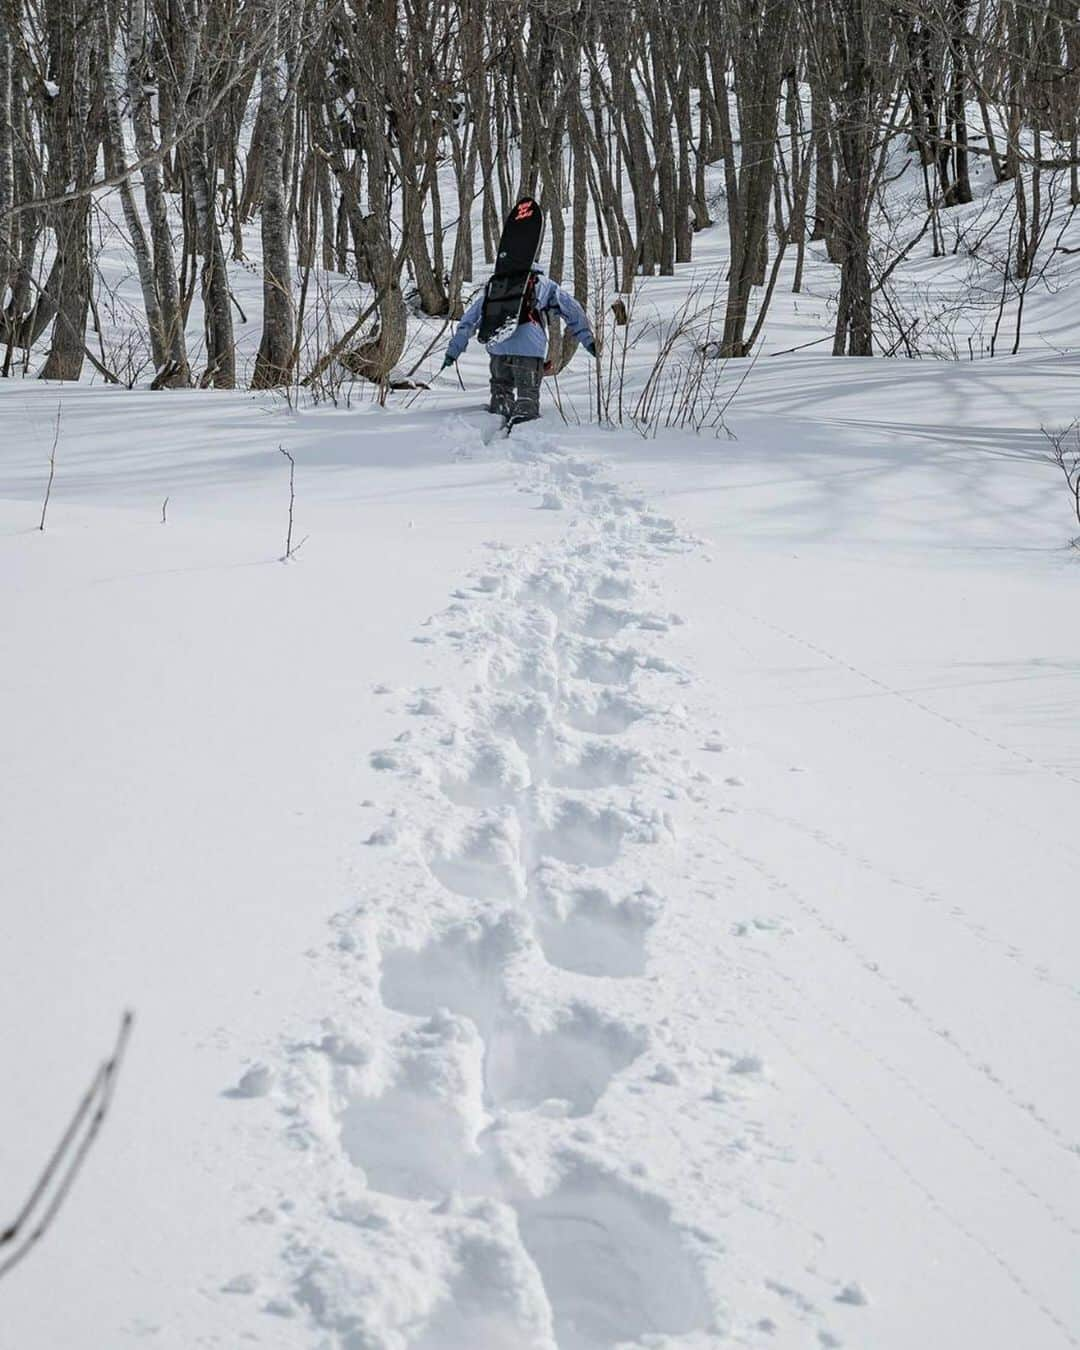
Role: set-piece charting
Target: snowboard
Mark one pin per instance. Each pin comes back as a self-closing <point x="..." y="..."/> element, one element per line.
<point x="505" y="291"/>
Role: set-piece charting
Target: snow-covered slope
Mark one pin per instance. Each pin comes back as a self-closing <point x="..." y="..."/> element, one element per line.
<point x="601" y="892"/>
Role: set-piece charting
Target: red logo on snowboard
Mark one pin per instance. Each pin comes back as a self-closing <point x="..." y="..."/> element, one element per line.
<point x="524" y="211"/>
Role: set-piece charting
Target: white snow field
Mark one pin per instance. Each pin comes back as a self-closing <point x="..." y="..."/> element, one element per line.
<point x="601" y="892"/>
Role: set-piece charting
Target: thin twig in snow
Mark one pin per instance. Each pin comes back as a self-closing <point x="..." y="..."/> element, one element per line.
<point x="52" y="466"/>
<point x="1068" y="461"/>
<point x="289" y="550"/>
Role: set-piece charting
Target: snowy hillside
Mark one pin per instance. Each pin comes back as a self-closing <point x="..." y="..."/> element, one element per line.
<point x="604" y="890"/>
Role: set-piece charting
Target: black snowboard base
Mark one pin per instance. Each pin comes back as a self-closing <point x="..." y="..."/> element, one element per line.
<point x="505" y="291"/>
<point x="520" y="239"/>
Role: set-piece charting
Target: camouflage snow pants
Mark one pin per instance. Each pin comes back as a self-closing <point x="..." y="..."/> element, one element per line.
<point x="515" y="386"/>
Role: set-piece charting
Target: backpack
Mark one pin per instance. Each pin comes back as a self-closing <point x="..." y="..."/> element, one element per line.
<point x="529" y="311"/>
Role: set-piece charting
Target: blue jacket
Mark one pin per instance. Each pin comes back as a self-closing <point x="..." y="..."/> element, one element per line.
<point x="528" y="339"/>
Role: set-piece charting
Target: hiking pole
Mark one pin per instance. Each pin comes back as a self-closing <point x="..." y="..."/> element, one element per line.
<point x="422" y="388"/>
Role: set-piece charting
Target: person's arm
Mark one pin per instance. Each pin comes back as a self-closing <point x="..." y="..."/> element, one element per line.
<point x="575" y="318"/>
<point x="467" y="326"/>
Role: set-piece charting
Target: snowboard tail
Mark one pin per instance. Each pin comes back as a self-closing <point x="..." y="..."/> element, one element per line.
<point x="503" y="299"/>
<point x="504" y="294"/>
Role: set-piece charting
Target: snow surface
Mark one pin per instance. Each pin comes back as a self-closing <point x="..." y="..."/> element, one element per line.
<point x="601" y="892"/>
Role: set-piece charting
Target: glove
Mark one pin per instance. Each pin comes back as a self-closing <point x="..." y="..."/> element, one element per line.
<point x="447" y="361"/>
<point x="590" y="347"/>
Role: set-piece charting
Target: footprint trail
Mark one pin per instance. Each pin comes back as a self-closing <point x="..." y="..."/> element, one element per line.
<point x="495" y="1000"/>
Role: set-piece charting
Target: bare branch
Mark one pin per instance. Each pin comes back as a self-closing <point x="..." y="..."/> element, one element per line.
<point x="60" y="1173"/>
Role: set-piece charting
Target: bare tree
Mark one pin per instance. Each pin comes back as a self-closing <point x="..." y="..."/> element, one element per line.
<point x="372" y="137"/>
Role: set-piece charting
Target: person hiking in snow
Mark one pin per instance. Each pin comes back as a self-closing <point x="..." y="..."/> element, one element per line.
<point x="517" y="362"/>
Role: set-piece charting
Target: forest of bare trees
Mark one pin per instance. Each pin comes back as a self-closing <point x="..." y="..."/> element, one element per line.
<point x="384" y="140"/>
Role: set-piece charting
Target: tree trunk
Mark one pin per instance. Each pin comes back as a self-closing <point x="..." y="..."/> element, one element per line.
<point x="273" y="364"/>
<point x="758" y="82"/>
<point x="217" y="312"/>
<point x="7" y="167"/>
<point x="166" y="283"/>
<point x="855" y="127"/>
<point x="376" y="358"/>
<point x="114" y="160"/>
<point x="960" y="192"/>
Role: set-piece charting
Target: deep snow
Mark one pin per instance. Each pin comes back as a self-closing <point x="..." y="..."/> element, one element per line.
<point x="600" y="892"/>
